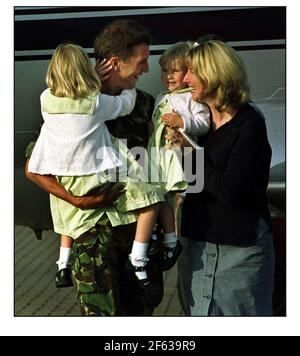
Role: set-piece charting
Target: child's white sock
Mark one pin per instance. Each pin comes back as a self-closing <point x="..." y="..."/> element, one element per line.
<point x="64" y="257"/>
<point x="138" y="257"/>
<point x="170" y="239"/>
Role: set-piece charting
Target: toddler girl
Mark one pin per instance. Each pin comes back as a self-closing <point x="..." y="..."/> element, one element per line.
<point x="174" y="108"/>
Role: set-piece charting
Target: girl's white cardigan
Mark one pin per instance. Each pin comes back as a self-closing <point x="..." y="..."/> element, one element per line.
<point x="74" y="140"/>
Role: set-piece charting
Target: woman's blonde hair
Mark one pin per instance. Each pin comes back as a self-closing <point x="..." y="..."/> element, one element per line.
<point x="178" y="51"/>
<point x="71" y="74"/>
<point x="223" y="73"/>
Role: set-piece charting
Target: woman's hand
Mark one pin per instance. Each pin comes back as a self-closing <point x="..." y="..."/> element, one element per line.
<point x="100" y="197"/>
<point x="103" y="69"/>
<point x="173" y="120"/>
<point x="175" y="139"/>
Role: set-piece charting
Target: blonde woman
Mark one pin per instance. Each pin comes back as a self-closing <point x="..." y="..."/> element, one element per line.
<point x="227" y="264"/>
<point x="76" y="147"/>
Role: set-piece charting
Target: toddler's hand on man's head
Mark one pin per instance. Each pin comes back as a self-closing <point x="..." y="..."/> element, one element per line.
<point x="103" y="69"/>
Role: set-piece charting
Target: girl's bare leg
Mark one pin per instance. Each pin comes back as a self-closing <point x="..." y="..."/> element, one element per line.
<point x="167" y="218"/>
<point x="66" y="241"/>
<point x="146" y="221"/>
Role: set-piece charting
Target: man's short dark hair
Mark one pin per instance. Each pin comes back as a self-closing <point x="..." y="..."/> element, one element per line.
<point x="119" y="39"/>
<point x="210" y="37"/>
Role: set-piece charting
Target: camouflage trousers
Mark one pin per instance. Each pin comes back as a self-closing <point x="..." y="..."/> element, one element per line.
<point x="98" y="257"/>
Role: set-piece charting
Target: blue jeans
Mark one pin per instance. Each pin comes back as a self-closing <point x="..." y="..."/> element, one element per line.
<point x="221" y="280"/>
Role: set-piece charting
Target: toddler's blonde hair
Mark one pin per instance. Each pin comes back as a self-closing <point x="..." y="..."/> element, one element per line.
<point x="178" y="51"/>
<point x="71" y="74"/>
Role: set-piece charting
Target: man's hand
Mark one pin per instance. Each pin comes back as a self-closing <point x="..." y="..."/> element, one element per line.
<point x="103" y="69"/>
<point x="173" y="120"/>
<point x="100" y="197"/>
<point x="175" y="139"/>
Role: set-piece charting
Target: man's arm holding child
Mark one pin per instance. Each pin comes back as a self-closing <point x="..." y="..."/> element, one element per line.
<point x="106" y="197"/>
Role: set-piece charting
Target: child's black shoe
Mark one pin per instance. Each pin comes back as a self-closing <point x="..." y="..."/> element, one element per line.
<point x="170" y="256"/>
<point x="63" y="278"/>
<point x="152" y="289"/>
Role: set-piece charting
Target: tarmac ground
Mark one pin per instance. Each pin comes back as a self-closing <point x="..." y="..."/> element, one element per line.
<point x="35" y="292"/>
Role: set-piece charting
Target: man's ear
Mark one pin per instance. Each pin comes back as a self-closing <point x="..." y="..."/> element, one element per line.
<point x="115" y="62"/>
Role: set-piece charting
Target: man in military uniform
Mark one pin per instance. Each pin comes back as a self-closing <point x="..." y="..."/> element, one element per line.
<point x="98" y="256"/>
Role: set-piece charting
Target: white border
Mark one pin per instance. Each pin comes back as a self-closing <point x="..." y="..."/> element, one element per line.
<point x="146" y="326"/>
